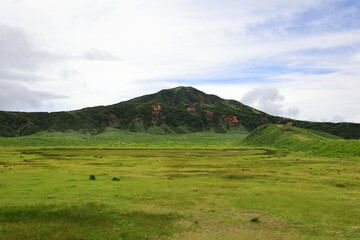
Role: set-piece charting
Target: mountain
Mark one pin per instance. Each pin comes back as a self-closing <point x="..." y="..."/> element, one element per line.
<point x="305" y="140"/>
<point x="176" y="110"/>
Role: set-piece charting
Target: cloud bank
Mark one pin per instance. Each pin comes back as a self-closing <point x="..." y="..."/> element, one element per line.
<point x="269" y="100"/>
<point x="19" y="65"/>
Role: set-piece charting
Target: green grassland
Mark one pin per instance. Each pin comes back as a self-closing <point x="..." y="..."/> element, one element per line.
<point x="184" y="186"/>
<point x="305" y="140"/>
<point x="114" y="138"/>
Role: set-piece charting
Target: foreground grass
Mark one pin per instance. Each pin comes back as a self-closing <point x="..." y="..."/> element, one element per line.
<point x="46" y="193"/>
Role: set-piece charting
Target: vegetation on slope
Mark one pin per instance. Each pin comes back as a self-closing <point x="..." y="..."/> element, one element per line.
<point x="298" y="139"/>
<point x="177" y="110"/>
<point x="115" y="138"/>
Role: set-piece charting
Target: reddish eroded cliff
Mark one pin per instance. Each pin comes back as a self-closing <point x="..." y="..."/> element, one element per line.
<point x="209" y="114"/>
<point x="232" y="119"/>
<point x="200" y="98"/>
<point x="191" y="109"/>
<point x="156" y="108"/>
<point x="112" y="117"/>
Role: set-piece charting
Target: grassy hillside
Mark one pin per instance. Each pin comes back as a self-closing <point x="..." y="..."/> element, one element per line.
<point x="177" y="110"/>
<point x="269" y="135"/>
<point x="298" y="139"/>
<point x="115" y="138"/>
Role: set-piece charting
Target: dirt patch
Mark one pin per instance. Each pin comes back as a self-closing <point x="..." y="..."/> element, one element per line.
<point x="191" y="109"/>
<point x="111" y="118"/>
<point x="156" y="108"/>
<point x="200" y="98"/>
<point x="232" y="119"/>
<point x="209" y="114"/>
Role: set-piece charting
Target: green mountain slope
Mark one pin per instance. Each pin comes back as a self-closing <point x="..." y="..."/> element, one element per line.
<point x="176" y="110"/>
<point x="298" y="139"/>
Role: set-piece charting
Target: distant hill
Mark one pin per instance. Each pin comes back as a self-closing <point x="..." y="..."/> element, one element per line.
<point x="298" y="139"/>
<point x="176" y="110"/>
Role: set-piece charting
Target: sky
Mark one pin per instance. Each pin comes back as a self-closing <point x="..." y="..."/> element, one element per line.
<point x="298" y="58"/>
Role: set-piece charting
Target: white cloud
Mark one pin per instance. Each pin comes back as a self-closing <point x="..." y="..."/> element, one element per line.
<point x="20" y="97"/>
<point x="265" y="99"/>
<point x="269" y="100"/>
<point x="337" y="119"/>
<point x="100" y="55"/>
<point x="293" y="111"/>
<point x="20" y="64"/>
<point x="18" y="54"/>
<point x="355" y="119"/>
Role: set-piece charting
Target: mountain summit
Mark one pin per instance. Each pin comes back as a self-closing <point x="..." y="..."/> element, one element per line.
<point x="176" y="110"/>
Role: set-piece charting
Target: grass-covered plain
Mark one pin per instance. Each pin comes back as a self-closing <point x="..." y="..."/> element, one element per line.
<point x="305" y="140"/>
<point x="190" y="186"/>
<point x="114" y="138"/>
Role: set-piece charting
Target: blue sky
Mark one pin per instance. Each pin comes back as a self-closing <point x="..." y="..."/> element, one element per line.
<point x="298" y="58"/>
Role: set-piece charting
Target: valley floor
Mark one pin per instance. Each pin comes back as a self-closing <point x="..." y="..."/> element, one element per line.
<point x="221" y="191"/>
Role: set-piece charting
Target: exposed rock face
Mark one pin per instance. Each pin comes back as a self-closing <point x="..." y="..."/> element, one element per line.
<point x="112" y="118"/>
<point x="191" y="109"/>
<point x="156" y="108"/>
<point x="200" y="98"/>
<point x="209" y="114"/>
<point x="232" y="119"/>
